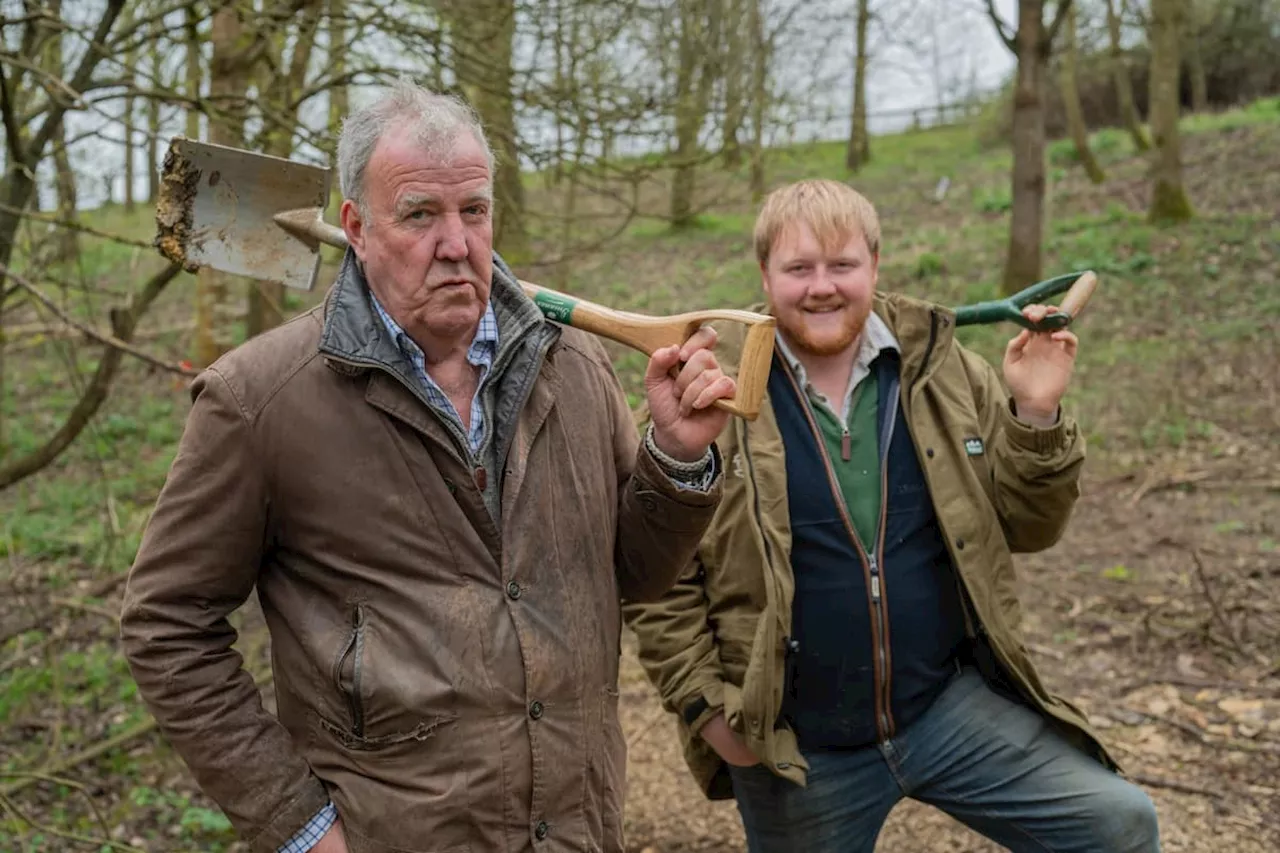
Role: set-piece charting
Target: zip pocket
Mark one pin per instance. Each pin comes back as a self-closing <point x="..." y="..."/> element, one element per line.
<point x="347" y="670"/>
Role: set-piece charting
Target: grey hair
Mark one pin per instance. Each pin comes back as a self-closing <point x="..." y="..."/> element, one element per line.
<point x="436" y="120"/>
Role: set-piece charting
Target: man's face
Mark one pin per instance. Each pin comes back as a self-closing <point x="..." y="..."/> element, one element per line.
<point x="428" y="240"/>
<point x="821" y="298"/>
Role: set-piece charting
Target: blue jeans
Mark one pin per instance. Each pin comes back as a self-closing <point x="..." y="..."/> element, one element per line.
<point x="992" y="764"/>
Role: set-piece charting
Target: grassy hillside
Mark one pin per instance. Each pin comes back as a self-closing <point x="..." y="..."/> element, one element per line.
<point x="1176" y="371"/>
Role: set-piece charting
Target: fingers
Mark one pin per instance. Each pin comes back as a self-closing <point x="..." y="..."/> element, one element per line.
<point x="1037" y="313"/>
<point x="660" y="365"/>
<point x="701" y="382"/>
<point x="1013" y="351"/>
<point x="705" y="390"/>
<point x="1070" y="343"/>
<point x="703" y="339"/>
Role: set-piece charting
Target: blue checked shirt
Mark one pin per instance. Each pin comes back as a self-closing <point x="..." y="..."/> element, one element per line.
<point x="309" y="836"/>
<point x="481" y="354"/>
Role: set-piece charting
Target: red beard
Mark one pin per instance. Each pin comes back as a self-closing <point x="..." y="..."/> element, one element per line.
<point x="827" y="341"/>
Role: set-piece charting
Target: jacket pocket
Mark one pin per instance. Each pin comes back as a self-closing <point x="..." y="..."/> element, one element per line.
<point x="351" y="679"/>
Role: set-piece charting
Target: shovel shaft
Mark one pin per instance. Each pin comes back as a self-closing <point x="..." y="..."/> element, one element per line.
<point x="638" y="331"/>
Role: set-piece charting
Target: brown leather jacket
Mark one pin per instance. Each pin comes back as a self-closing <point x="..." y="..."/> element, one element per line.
<point x="447" y="679"/>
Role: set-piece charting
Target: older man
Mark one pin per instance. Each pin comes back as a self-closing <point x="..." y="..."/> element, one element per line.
<point x="440" y="496"/>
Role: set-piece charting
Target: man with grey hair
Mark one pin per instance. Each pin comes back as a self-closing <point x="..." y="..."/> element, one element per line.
<point x="440" y="496"/>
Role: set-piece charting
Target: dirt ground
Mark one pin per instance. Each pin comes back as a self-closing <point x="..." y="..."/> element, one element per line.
<point x="1150" y="615"/>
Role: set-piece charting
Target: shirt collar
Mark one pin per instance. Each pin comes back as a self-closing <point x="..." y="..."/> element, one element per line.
<point x="484" y="341"/>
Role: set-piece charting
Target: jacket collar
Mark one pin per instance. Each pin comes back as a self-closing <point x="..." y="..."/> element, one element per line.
<point x="354" y="334"/>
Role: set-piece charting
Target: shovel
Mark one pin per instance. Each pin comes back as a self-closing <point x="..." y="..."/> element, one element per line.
<point x="1078" y="286"/>
<point x="259" y="216"/>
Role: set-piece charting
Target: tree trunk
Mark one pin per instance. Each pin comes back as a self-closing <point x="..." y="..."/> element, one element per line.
<point x="761" y="51"/>
<point x="687" y="119"/>
<point x="191" y="24"/>
<point x="67" y="240"/>
<point x="484" y="31"/>
<point x="229" y="73"/>
<point x="337" y="63"/>
<point x="735" y="69"/>
<point x="153" y="117"/>
<point x="698" y="45"/>
<point x="1195" y="62"/>
<point x="1026" y="230"/>
<point x="1071" y="103"/>
<point x="1124" y="85"/>
<point x="1168" y="198"/>
<point x="266" y="298"/>
<point x="130" y="78"/>
<point x="858" y="151"/>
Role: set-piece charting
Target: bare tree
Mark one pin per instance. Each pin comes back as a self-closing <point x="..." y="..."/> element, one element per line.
<point x="1169" y="201"/>
<point x="1032" y="44"/>
<point x="699" y="24"/>
<point x="279" y="86"/>
<point x="1192" y="28"/>
<point x="1120" y="73"/>
<point x="484" y="31"/>
<point x="761" y="55"/>
<point x="858" y="150"/>
<point x="1071" y="101"/>
<point x="27" y="141"/>
<point x="734" y="67"/>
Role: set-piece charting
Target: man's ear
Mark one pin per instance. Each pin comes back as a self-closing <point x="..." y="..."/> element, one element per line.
<point x="764" y="277"/>
<point x="352" y="226"/>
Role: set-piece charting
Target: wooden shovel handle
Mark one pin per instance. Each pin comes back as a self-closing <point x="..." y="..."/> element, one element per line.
<point x="638" y="331"/>
<point x="1078" y="296"/>
<point x="648" y="333"/>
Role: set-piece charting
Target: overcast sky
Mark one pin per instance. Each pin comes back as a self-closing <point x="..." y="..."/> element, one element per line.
<point x="916" y="46"/>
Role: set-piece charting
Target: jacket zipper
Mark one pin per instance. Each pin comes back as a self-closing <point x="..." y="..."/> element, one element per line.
<point x="871" y="567"/>
<point x="354" y="649"/>
<point x="877" y="561"/>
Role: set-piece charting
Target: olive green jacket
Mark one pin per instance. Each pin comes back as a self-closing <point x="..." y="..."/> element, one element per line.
<point x="719" y="635"/>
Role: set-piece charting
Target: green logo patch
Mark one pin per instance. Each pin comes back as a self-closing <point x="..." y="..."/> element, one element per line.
<point x="973" y="446"/>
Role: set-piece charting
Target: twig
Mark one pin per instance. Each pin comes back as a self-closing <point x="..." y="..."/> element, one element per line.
<point x="1200" y="684"/>
<point x="1213" y="603"/>
<point x="72" y="604"/>
<point x="105" y="841"/>
<point x="1183" y="787"/>
<point x="22" y="654"/>
<point x="36" y="619"/>
<point x="74" y="226"/>
<point x="1202" y="736"/>
<point x="97" y="750"/>
<point x="1155" y="483"/>
<point x="100" y="337"/>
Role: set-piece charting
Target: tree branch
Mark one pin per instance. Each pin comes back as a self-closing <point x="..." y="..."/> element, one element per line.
<point x="123" y="322"/>
<point x="74" y="226"/>
<point x="117" y="341"/>
<point x="1002" y="29"/>
<point x="1059" y="16"/>
<point x="84" y="73"/>
<point x="11" y="137"/>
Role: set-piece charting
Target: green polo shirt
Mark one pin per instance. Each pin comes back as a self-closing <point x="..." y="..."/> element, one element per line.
<point x="849" y="429"/>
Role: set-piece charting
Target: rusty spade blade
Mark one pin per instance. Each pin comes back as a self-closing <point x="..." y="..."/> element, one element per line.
<point x="222" y="207"/>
